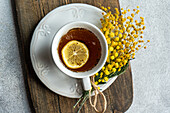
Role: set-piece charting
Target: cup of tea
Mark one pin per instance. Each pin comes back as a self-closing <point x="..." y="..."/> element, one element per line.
<point x="79" y="49"/>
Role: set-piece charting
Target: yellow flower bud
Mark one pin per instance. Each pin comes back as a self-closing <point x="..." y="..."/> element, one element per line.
<point x="127" y="55"/>
<point x="108" y="41"/>
<point x="120" y="35"/>
<point x="112" y="34"/>
<point x="116" y="9"/>
<point x="127" y="45"/>
<point x="116" y="39"/>
<point x="124" y="62"/>
<point x="118" y="60"/>
<point x="118" y="47"/>
<point x="136" y="36"/>
<point x="121" y="65"/>
<point x="129" y="17"/>
<point x="133" y="50"/>
<point x="119" y="43"/>
<point x="112" y="57"/>
<point x="109" y="66"/>
<point x="142" y="23"/>
<point x="128" y="30"/>
<point x="116" y="65"/>
<point x="121" y="31"/>
<point x="102" y="7"/>
<point x="119" y="69"/>
<point x="116" y="33"/>
<point x="137" y="11"/>
<point x="107" y="72"/>
<point x="108" y="60"/>
<point x="125" y="11"/>
<point x="124" y="29"/>
<point x="114" y="43"/>
<point x="127" y="22"/>
<point x="133" y="32"/>
<point x="132" y="15"/>
<point x="133" y="57"/>
<point x="104" y="29"/>
<point x="111" y="48"/>
<point x="142" y="18"/>
<point x="96" y="82"/>
<point x="113" y="63"/>
<point x="116" y="54"/>
<point x="105" y="9"/>
<point x="112" y="27"/>
<point x="114" y="70"/>
<point x="106" y="79"/>
<point x="121" y="51"/>
<point x="139" y="45"/>
<point x="99" y="80"/>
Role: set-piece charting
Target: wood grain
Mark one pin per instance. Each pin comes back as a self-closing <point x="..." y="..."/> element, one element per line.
<point x="27" y="14"/>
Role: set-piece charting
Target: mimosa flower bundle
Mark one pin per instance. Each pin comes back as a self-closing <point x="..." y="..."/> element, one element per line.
<point x="124" y="37"/>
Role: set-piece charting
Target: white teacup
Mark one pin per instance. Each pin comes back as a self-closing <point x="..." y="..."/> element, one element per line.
<point x="84" y="75"/>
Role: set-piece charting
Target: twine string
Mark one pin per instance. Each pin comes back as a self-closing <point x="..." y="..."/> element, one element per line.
<point x="97" y="92"/>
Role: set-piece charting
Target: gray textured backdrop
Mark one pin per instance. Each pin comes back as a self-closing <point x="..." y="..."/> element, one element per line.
<point x="150" y="69"/>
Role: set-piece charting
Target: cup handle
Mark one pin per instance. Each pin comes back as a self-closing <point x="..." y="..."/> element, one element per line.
<point x="86" y="83"/>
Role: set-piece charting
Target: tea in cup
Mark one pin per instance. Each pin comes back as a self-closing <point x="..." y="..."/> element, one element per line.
<point x="79" y="49"/>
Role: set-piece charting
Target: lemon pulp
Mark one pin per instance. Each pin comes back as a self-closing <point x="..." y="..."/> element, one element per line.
<point x="75" y="54"/>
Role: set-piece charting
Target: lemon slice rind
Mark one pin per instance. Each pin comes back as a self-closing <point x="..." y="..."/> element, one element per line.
<point x="75" y="54"/>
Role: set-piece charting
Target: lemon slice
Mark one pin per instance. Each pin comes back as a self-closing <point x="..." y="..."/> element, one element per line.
<point x="75" y="54"/>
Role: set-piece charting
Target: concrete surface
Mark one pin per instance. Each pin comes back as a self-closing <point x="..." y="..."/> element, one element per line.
<point x="151" y="69"/>
<point x="12" y="90"/>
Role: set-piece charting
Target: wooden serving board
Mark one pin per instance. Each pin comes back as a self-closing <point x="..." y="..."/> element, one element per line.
<point x="27" y="14"/>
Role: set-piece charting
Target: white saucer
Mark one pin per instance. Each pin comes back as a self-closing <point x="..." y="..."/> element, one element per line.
<point x="40" y="49"/>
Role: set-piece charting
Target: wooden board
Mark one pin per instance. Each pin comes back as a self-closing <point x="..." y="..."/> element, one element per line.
<point x="27" y="14"/>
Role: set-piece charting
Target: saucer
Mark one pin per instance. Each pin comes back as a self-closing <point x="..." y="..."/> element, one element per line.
<point x="40" y="49"/>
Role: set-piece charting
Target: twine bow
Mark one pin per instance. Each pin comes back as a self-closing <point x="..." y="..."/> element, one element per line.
<point x="97" y="91"/>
